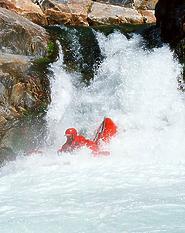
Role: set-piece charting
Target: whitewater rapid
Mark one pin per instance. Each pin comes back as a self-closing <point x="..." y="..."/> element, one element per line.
<point x="141" y="186"/>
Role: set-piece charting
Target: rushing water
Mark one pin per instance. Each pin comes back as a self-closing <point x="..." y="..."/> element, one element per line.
<point x="141" y="186"/>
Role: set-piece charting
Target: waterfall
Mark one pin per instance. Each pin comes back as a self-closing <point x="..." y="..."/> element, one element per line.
<point x="137" y="88"/>
<point x="140" y="186"/>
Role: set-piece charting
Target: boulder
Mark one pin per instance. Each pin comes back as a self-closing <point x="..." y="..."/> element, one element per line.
<point x="71" y="12"/>
<point x="137" y="4"/>
<point x="145" y="4"/>
<point x="83" y="12"/>
<point x="148" y="16"/>
<point x="19" y="35"/>
<point x="25" y="8"/>
<point x="22" y="89"/>
<point x="24" y="86"/>
<point x="110" y="14"/>
<point x="170" y="16"/>
<point x="23" y="92"/>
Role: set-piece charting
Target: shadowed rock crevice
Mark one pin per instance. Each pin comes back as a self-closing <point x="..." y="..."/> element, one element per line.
<point x="170" y="17"/>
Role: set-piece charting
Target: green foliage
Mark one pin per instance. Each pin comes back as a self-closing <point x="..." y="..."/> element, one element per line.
<point x="52" y="52"/>
<point x="51" y="48"/>
<point x="43" y="60"/>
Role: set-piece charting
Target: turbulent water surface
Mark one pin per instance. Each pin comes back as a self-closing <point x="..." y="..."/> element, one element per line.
<point x="141" y="186"/>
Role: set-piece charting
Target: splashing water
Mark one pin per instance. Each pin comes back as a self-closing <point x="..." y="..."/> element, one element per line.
<point x="140" y="187"/>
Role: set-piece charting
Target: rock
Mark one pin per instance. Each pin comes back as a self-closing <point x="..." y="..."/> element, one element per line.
<point x="138" y="4"/>
<point x="24" y="87"/>
<point x="148" y="16"/>
<point x="16" y="29"/>
<point x="110" y="14"/>
<point x="71" y="12"/>
<point x="82" y="12"/>
<point x="3" y="121"/>
<point x="36" y="18"/>
<point x="59" y="17"/>
<point x="12" y="70"/>
<point x="8" y="5"/>
<point x="17" y="94"/>
<point x="6" y="155"/>
<point x="21" y="81"/>
<point x="23" y="93"/>
<point x="170" y="16"/>
<point x="145" y="4"/>
<point x="25" y="8"/>
<point x="22" y="90"/>
<point x="127" y="3"/>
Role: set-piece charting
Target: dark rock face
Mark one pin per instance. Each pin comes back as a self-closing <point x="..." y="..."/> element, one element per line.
<point x="170" y="16"/>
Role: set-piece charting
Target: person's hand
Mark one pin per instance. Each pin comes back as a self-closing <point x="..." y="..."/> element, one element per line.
<point x="59" y="151"/>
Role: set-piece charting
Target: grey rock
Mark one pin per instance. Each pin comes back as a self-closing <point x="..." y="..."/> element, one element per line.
<point x="110" y="14"/>
<point x="18" y="35"/>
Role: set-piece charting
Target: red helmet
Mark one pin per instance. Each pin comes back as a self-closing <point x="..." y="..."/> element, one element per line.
<point x="71" y="132"/>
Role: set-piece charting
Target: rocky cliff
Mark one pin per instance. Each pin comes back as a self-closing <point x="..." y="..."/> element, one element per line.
<point x="84" y="12"/>
<point x="170" y="17"/>
<point x="23" y="90"/>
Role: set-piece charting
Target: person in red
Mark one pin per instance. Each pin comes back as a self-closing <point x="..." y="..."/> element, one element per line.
<point x="105" y="132"/>
<point x="75" y="141"/>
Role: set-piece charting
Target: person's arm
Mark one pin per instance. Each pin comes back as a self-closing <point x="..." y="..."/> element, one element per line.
<point x="63" y="149"/>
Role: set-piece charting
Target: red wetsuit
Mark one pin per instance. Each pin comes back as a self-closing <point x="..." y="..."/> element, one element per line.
<point x="105" y="132"/>
<point x="78" y="142"/>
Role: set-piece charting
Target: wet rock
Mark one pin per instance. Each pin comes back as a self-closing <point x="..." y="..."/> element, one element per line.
<point x="6" y="155"/>
<point x="12" y="72"/>
<point x="20" y="36"/>
<point x="105" y="14"/>
<point x="22" y="91"/>
<point x="21" y="42"/>
<point x="27" y="136"/>
<point x="170" y="17"/>
<point x="20" y="81"/>
<point x="127" y="3"/>
<point x="75" y="12"/>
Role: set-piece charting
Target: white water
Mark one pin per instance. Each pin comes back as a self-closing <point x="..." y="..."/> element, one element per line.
<point x="141" y="186"/>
